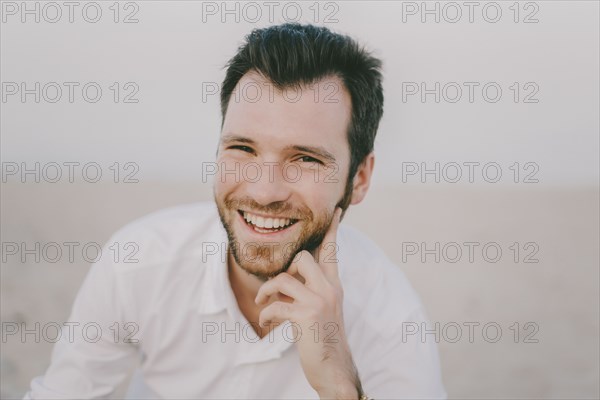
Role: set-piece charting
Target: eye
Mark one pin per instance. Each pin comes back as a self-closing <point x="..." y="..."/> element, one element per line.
<point x="309" y="159"/>
<point x="245" y="149"/>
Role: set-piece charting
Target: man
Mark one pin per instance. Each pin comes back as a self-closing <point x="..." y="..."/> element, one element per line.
<point x="264" y="295"/>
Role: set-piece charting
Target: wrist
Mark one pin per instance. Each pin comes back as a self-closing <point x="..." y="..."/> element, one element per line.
<point x="347" y="391"/>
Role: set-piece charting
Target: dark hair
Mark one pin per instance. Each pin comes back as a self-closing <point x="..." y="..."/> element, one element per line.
<point x="290" y="55"/>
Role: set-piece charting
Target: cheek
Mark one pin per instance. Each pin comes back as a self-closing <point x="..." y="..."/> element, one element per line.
<point x="321" y="190"/>
<point x="225" y="172"/>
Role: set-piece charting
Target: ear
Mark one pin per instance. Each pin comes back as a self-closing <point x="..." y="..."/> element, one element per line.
<point x="362" y="179"/>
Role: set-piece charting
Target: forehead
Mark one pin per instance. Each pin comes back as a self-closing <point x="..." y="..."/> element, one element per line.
<point x="317" y="114"/>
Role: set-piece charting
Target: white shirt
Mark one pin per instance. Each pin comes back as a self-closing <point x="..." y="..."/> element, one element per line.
<point x="194" y="342"/>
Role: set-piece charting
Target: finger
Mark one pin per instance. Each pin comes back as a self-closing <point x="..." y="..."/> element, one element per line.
<point x="306" y="267"/>
<point x="278" y="311"/>
<point x="282" y="283"/>
<point x="294" y="269"/>
<point x="327" y="254"/>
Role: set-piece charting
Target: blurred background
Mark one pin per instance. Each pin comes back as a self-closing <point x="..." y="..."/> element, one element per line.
<point x="486" y="182"/>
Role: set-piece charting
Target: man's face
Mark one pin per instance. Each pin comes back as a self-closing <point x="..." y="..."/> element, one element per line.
<point x="283" y="164"/>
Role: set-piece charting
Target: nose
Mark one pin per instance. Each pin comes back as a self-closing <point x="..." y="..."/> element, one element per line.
<point x="269" y="185"/>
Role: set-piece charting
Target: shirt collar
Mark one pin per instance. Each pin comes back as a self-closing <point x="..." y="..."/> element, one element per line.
<point x="216" y="283"/>
<point x="217" y="296"/>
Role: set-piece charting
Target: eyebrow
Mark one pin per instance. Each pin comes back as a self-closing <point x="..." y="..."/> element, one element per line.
<point x="235" y="138"/>
<point x="314" y="150"/>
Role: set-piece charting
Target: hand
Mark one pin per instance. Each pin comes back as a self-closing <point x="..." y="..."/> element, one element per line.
<point x="316" y="316"/>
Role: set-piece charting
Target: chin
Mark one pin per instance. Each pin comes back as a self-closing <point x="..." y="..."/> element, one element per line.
<point x="263" y="270"/>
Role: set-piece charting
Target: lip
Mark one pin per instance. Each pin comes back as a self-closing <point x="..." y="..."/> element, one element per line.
<point x="266" y="215"/>
<point x="269" y="235"/>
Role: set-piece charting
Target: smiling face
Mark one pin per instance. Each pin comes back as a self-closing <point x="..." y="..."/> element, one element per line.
<point x="283" y="164"/>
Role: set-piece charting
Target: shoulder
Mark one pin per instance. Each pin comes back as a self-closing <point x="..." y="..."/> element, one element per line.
<point x="184" y="216"/>
<point x="160" y="257"/>
<point x="380" y="309"/>
<point x="375" y="288"/>
<point x="166" y="235"/>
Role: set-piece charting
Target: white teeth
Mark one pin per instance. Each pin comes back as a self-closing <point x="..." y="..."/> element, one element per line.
<point x="268" y="223"/>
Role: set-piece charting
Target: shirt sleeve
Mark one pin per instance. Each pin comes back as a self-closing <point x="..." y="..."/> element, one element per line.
<point x="398" y="364"/>
<point x="96" y="349"/>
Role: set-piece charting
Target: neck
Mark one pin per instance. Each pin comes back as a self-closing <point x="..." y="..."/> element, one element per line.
<point x="245" y="286"/>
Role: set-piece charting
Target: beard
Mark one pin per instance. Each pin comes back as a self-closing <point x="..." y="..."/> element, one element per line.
<point x="268" y="259"/>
